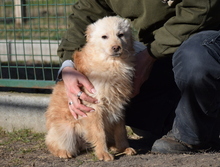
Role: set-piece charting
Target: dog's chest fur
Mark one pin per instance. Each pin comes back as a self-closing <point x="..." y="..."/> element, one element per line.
<point x="112" y="80"/>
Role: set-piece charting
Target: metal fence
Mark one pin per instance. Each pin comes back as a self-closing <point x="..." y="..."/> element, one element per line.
<point x="30" y="32"/>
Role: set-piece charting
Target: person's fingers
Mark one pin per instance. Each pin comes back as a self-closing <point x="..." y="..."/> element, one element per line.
<point x="79" y="113"/>
<point x="84" y="109"/>
<point x="87" y="98"/>
<point x="88" y="85"/>
<point x="73" y="112"/>
<point x="76" y="91"/>
<point x="83" y="82"/>
<point x="76" y="112"/>
<point x="74" y="109"/>
<point x="74" y="81"/>
<point x="77" y="108"/>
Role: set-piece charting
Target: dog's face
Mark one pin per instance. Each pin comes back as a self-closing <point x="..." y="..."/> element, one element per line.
<point x="111" y="36"/>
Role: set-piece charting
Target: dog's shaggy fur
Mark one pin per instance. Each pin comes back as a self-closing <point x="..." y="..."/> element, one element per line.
<point x="108" y="62"/>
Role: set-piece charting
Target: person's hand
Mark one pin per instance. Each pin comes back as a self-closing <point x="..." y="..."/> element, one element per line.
<point x="73" y="81"/>
<point x="144" y="64"/>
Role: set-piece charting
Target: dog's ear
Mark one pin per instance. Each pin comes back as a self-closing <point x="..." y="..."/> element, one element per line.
<point x="126" y="25"/>
<point x="89" y="31"/>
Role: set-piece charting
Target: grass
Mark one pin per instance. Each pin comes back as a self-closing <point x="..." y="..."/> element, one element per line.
<point x="22" y="137"/>
<point x="51" y="32"/>
<point x="27" y="148"/>
<point x="22" y="147"/>
<point x="26" y="137"/>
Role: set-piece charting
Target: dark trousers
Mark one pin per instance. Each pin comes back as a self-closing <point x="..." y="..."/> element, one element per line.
<point x="196" y="66"/>
<point x="185" y="89"/>
<point x="153" y="109"/>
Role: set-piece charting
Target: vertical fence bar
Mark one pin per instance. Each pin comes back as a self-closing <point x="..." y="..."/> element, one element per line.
<point x="16" y="66"/>
<point x="40" y="40"/>
<point x="7" y="41"/>
<point x="24" y="63"/>
<point x="31" y="24"/>
<point x="20" y="11"/>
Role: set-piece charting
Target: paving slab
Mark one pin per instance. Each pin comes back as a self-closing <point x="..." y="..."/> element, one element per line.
<point x="23" y="111"/>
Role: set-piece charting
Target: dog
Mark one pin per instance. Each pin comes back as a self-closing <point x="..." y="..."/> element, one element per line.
<point x="107" y="59"/>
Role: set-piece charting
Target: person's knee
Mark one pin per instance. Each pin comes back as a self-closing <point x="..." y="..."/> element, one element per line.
<point x="188" y="64"/>
<point x="198" y="58"/>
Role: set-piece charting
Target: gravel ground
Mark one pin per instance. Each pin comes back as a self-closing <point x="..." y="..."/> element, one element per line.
<point x="25" y="148"/>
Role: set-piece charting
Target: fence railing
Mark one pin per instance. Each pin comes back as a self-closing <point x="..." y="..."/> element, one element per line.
<point x="30" y="32"/>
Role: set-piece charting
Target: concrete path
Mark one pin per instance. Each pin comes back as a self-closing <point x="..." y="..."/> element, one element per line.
<point x="23" y="110"/>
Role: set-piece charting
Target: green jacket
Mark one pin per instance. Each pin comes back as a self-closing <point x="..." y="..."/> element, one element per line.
<point x="160" y="26"/>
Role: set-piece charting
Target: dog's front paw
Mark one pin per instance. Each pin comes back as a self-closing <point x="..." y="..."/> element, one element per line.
<point x="63" y="154"/>
<point x="130" y="151"/>
<point x="105" y="156"/>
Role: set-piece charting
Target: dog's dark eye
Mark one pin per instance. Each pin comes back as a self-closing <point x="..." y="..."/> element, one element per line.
<point x="120" y="35"/>
<point x="104" y="37"/>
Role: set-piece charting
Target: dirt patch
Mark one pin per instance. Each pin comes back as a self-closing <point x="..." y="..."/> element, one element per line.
<point x="24" y="148"/>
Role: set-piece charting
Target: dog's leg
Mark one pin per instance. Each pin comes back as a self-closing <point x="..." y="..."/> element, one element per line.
<point x="121" y="141"/>
<point x="97" y="137"/>
<point x="61" y="140"/>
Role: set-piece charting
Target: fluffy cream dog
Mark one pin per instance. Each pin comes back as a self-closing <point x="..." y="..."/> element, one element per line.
<point x="107" y="60"/>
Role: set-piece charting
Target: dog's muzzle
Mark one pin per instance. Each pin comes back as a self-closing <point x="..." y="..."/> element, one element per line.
<point x="117" y="50"/>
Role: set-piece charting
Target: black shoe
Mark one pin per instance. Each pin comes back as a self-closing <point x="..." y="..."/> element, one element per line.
<point x="168" y="144"/>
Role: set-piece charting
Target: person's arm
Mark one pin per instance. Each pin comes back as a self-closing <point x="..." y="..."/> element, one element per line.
<point x="144" y="64"/>
<point x="66" y="63"/>
<point x="191" y="17"/>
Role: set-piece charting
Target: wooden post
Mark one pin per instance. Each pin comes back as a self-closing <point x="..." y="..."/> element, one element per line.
<point x="20" y="11"/>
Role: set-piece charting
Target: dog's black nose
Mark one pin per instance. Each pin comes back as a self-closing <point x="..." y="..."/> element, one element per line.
<point x="116" y="48"/>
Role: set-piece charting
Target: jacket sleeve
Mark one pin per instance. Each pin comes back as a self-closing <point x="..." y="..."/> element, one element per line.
<point x="191" y="17"/>
<point x="84" y="13"/>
